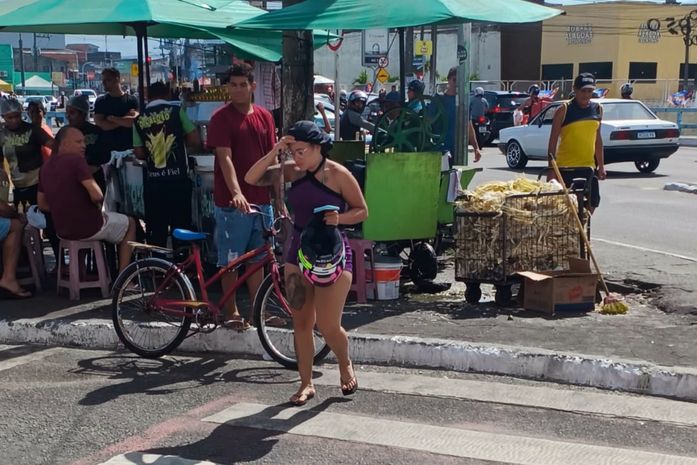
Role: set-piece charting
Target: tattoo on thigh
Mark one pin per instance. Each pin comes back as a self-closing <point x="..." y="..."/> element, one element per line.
<point x="295" y="289"/>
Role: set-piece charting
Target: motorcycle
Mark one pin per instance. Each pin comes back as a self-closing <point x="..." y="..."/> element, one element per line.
<point x="482" y="128"/>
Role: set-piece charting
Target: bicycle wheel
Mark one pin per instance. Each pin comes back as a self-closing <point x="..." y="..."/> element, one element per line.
<point x="144" y="330"/>
<point x="275" y="326"/>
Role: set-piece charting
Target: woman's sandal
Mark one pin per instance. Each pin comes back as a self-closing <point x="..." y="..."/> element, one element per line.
<point x="301" y="397"/>
<point x="351" y="386"/>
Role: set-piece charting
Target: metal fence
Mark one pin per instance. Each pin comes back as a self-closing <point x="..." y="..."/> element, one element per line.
<point x="655" y="93"/>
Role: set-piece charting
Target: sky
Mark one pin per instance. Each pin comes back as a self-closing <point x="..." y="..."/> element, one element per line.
<point x="125" y="45"/>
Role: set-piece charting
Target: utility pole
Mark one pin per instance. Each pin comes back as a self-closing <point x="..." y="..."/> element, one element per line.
<point x="297" y="77"/>
<point x="685" y="26"/>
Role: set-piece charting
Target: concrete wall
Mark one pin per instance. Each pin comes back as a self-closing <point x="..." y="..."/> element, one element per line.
<point x="485" y="61"/>
<point x="618" y="36"/>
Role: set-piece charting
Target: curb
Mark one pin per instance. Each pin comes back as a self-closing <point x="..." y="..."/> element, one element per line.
<point x="688" y="141"/>
<point x="525" y="362"/>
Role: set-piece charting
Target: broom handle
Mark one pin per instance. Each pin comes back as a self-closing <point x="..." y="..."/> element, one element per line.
<point x="579" y="225"/>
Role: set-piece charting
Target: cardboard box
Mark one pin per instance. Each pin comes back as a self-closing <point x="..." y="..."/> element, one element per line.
<point x="560" y="291"/>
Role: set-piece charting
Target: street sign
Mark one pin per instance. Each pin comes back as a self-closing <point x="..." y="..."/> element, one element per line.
<point x="134" y="69"/>
<point x="374" y="46"/>
<point x="418" y="62"/>
<point x="383" y="62"/>
<point x="383" y="75"/>
<point x="423" y="47"/>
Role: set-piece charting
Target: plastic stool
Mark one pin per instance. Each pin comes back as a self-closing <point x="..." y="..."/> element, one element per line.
<point x="361" y="285"/>
<point x="77" y="269"/>
<point x="31" y="239"/>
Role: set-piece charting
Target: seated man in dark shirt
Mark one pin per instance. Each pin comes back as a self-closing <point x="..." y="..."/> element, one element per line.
<point x="68" y="190"/>
<point x="96" y="153"/>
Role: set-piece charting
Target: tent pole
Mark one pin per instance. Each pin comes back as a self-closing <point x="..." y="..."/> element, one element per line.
<point x="463" y="95"/>
<point x="402" y="66"/>
<point x="147" y="58"/>
<point x="141" y="89"/>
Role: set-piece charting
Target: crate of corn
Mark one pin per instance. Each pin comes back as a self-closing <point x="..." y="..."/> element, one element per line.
<point x="506" y="227"/>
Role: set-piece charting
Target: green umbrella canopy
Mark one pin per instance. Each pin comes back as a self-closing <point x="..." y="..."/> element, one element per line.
<point x="164" y="18"/>
<point x="376" y="14"/>
<point x="193" y="19"/>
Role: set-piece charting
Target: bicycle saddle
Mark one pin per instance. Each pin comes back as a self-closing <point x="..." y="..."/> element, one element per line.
<point x="186" y="235"/>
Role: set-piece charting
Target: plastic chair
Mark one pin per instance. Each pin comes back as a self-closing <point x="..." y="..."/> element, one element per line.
<point x="361" y="285"/>
<point x="76" y="278"/>
<point x="31" y="239"/>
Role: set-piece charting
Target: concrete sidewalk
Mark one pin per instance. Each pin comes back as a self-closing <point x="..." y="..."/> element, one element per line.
<point x="647" y="351"/>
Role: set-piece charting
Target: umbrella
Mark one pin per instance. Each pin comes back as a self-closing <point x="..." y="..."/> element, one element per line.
<point x="382" y="14"/>
<point x="192" y="19"/>
<point x="376" y="14"/>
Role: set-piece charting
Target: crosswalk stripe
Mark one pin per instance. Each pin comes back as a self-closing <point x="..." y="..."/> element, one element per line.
<point x="137" y="458"/>
<point x="23" y="359"/>
<point x="597" y="403"/>
<point x="456" y="442"/>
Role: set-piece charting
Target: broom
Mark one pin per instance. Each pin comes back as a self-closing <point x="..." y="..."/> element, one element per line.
<point x="612" y="303"/>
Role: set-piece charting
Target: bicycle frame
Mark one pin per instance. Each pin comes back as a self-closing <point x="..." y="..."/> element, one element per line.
<point x="179" y="307"/>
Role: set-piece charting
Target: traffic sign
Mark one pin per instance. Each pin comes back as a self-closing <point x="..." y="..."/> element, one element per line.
<point x="134" y="69"/>
<point x="383" y="75"/>
<point x="383" y="62"/>
<point x="423" y="47"/>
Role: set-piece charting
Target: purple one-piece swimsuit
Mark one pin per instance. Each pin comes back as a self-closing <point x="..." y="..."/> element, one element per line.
<point x="306" y="194"/>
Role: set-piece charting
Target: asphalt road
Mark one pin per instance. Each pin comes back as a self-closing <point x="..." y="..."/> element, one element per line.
<point x="642" y="234"/>
<point x="66" y="406"/>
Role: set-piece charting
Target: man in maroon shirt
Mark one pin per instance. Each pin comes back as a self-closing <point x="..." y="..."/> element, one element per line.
<point x="240" y="133"/>
<point x="68" y="190"/>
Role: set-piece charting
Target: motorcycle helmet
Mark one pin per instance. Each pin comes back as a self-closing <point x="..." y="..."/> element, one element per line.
<point x="416" y="86"/>
<point x="423" y="263"/>
<point x="479" y="91"/>
<point x="357" y="95"/>
<point x="626" y="89"/>
<point x="534" y="90"/>
<point x="321" y="256"/>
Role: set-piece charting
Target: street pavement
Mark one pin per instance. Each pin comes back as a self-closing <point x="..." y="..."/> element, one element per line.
<point x="79" y="407"/>
<point x="643" y="237"/>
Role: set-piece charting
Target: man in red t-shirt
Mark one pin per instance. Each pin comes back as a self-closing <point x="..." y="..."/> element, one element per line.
<point x="68" y="190"/>
<point x="240" y="134"/>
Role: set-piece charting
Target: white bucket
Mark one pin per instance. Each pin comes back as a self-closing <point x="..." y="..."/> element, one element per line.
<point x="386" y="276"/>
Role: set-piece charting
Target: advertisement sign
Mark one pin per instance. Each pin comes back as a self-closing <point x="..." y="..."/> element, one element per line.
<point x="375" y="43"/>
<point x="58" y="78"/>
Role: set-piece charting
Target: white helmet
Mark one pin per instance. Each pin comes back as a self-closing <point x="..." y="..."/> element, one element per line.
<point x="479" y="91"/>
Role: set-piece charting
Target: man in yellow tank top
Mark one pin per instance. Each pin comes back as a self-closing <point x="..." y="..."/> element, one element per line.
<point x="575" y="138"/>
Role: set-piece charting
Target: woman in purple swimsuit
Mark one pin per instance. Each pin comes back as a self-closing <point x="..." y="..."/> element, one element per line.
<point x="317" y="181"/>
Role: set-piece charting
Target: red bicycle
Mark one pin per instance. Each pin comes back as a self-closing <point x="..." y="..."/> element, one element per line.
<point x="155" y="304"/>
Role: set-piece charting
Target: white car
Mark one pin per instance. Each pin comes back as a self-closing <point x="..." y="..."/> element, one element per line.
<point x="630" y="132"/>
<point x="91" y="96"/>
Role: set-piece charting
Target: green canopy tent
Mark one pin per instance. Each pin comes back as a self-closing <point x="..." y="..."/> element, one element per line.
<point x="192" y="19"/>
<point x="375" y="14"/>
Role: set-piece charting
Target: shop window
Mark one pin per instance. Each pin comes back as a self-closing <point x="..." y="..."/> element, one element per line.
<point x="555" y="72"/>
<point x="692" y="71"/>
<point x="642" y="70"/>
<point x="600" y="69"/>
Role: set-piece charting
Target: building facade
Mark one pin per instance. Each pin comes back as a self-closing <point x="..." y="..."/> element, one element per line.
<point x="618" y="42"/>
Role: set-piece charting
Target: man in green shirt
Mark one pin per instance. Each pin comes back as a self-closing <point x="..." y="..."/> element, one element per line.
<point x="160" y="136"/>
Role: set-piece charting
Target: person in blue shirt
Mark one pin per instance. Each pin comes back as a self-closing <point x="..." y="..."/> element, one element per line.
<point x="415" y="92"/>
<point x="449" y="102"/>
